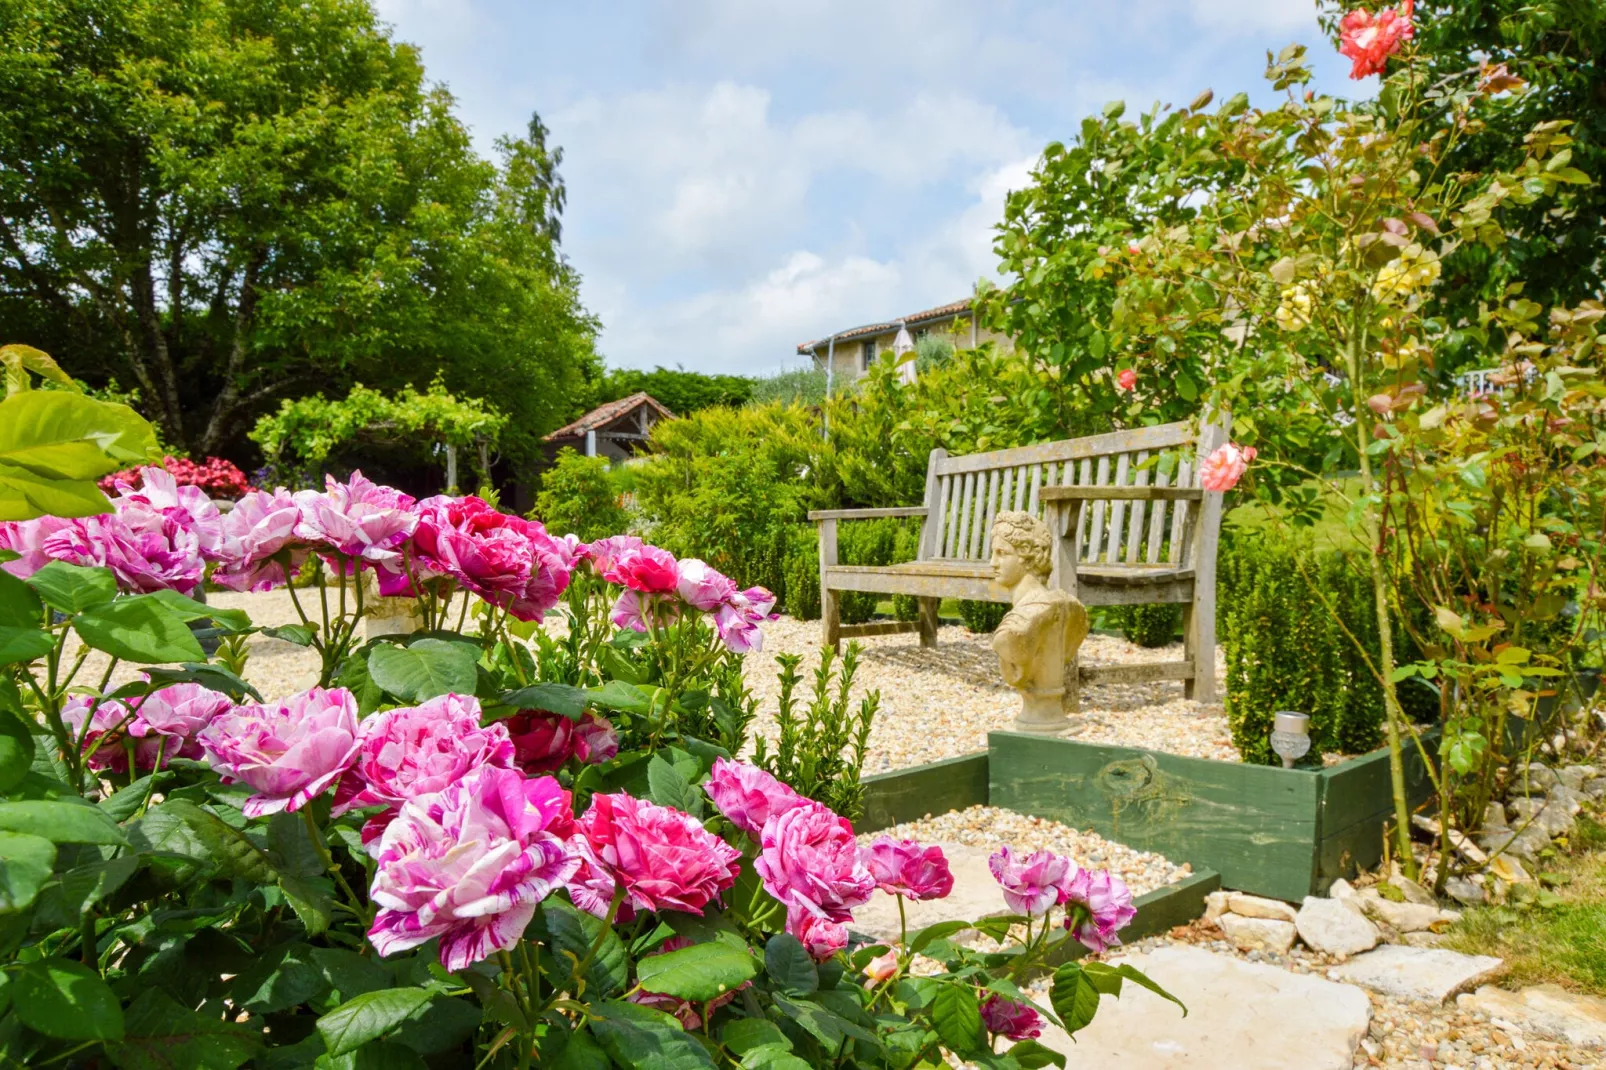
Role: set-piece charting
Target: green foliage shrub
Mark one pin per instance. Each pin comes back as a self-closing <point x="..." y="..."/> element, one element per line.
<point x="981" y="617"/>
<point x="800" y="573"/>
<point x="906" y="547"/>
<point x="578" y="495"/>
<point x="683" y="392"/>
<point x="797" y="386"/>
<point x="1148" y="625"/>
<point x="867" y="542"/>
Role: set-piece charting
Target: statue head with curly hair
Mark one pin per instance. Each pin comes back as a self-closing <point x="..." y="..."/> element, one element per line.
<point x="1023" y="536"/>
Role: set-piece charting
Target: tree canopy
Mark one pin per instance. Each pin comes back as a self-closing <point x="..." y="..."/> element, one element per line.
<point x="226" y="203"/>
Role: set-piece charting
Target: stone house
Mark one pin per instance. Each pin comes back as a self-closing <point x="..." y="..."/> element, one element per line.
<point x="848" y="354"/>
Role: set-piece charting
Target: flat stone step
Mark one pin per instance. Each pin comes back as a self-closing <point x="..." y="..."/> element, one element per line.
<point x="1429" y="974"/>
<point x="1545" y="1010"/>
<point x="1241" y="1016"/>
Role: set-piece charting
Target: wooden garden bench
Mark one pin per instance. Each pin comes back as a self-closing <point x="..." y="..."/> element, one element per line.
<point x="1131" y="526"/>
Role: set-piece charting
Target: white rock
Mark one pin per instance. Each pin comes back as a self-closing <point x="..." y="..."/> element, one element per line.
<point x="1422" y="939"/>
<point x="1548" y="1010"/>
<point x="1538" y="775"/>
<point x="1257" y="934"/>
<point x="1413" y="892"/>
<point x="1216" y="905"/>
<point x="1494" y="816"/>
<point x="1404" y="917"/>
<point x="1541" y="812"/>
<point x="1524" y="846"/>
<point x="1241" y="1016"/>
<point x="1465" y="891"/>
<point x="1332" y="926"/>
<point x="1567" y="798"/>
<point x="1255" y="906"/>
<point x="1429" y="974"/>
<point x="1576" y="776"/>
<point x="1595" y="789"/>
<point x="1341" y="889"/>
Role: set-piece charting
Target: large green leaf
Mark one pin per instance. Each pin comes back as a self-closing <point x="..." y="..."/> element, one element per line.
<point x="743" y="1034"/>
<point x="60" y="821"/>
<point x="1107" y="979"/>
<point x="566" y="699"/>
<point x="235" y="855"/>
<point x="641" y="1038"/>
<point x="1074" y="997"/>
<point x="369" y="1017"/>
<point x="21" y="615"/>
<point x="227" y="621"/>
<point x="139" y="629"/>
<point x="701" y="972"/>
<point x="25" y="865"/>
<point x="956" y="1015"/>
<point x="283" y="977"/>
<point x="66" y="999"/>
<point x="16" y="749"/>
<point x="18" y="360"/>
<point x="427" y="668"/>
<point x="59" y="435"/>
<point x="573" y="932"/>
<point x="160" y="1034"/>
<point x="789" y="966"/>
<point x="74" y="588"/>
<point x="25" y="496"/>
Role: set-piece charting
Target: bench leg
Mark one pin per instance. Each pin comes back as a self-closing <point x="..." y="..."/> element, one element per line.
<point x="928" y="621"/>
<point x="1198" y="648"/>
<point x="831" y="619"/>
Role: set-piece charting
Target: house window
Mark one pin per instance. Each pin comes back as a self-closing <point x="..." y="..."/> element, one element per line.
<point x="866" y="355"/>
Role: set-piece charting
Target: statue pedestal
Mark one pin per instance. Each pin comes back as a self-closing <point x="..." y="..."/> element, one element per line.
<point x="1043" y="712"/>
<point x="390" y="616"/>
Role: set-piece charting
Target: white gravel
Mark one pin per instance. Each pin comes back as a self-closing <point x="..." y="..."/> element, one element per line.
<point x="989" y="827"/>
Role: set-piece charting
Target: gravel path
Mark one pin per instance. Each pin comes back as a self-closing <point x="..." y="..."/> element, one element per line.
<point x="936" y="703"/>
<point x="989" y="827"/>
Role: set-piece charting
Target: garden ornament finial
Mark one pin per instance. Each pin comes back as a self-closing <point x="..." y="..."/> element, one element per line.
<point x="1038" y="639"/>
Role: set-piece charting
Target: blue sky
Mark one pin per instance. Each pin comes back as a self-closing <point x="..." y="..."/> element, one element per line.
<point x="745" y="175"/>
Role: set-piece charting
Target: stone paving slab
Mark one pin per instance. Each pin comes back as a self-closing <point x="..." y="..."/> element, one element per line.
<point x="1431" y="974"/>
<point x="1241" y="1016"/>
<point x="1547" y="1010"/>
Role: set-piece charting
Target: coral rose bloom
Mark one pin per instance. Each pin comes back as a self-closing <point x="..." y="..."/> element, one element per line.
<point x="469" y="865"/>
<point x="810" y="861"/>
<point x="1126" y="380"/>
<point x="289" y="752"/>
<point x="1223" y="468"/>
<point x="747" y="795"/>
<point x="664" y="858"/>
<point x="1369" y="40"/>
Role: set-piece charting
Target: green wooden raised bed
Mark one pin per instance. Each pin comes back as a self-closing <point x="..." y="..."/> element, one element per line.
<point x="1282" y="833"/>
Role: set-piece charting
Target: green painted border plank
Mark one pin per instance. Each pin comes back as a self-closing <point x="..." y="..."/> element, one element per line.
<point x="934" y="788"/>
<point x="1357" y="803"/>
<point x="1158" y="912"/>
<point x="1254" y="825"/>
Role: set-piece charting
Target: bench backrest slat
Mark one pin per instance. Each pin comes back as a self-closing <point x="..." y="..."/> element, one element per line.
<point x="965" y="495"/>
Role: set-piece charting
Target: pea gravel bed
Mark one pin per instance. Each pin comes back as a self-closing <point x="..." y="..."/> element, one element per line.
<point x="988" y="827"/>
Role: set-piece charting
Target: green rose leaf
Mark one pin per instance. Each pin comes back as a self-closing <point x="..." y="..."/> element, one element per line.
<point x="162" y="1035"/>
<point x="21" y="614"/>
<point x="369" y="1017"/>
<point x="565" y="699"/>
<point x="700" y="973"/>
<point x="139" y="629"/>
<point x="16" y="749"/>
<point x="65" y="999"/>
<point x="744" y="1034"/>
<point x="427" y="668"/>
<point x="573" y="932"/>
<point x="1074" y="997"/>
<point x="789" y="966"/>
<point x="25" y="865"/>
<point x="60" y="821"/>
<point x="641" y="1038"/>
<point x="956" y="1015"/>
<point x="74" y="588"/>
<point x="226" y="621"/>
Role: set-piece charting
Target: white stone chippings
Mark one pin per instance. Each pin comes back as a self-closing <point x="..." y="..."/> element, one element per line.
<point x="988" y="828"/>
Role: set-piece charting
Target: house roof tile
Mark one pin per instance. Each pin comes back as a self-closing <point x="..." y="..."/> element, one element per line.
<point x="953" y="308"/>
<point x="607" y="413"/>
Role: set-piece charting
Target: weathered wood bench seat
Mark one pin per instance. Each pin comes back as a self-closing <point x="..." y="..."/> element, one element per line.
<point x="1131" y="526"/>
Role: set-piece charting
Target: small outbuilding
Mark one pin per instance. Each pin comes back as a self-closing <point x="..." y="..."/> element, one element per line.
<point x="615" y="430"/>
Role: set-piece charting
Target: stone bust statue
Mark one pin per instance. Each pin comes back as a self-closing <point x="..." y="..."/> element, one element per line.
<point x="1038" y="639"/>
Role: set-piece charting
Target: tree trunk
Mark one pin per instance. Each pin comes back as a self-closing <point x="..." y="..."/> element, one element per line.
<point x="228" y="399"/>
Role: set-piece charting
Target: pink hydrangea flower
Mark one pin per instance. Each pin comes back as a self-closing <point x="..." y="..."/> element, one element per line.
<point x="469" y="865"/>
<point x="664" y="858"/>
<point x="417" y="750"/>
<point x="820" y="937"/>
<point x="903" y="867"/>
<point x="1103" y="908"/>
<point x="808" y="859"/>
<point x="255" y="532"/>
<point x="178" y="712"/>
<point x="1223" y="468"/>
<point x="1369" y="40"/>
<point x="1032" y="885"/>
<point x="1126" y="380"/>
<point x="1006" y="1018"/>
<point x="747" y="795"/>
<point x="702" y="587"/>
<point x="358" y="520"/>
<point x="506" y="560"/>
<point x="290" y="752"/>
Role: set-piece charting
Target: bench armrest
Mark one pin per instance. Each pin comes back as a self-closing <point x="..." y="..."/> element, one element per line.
<point x="866" y="514"/>
<point x="1125" y="494"/>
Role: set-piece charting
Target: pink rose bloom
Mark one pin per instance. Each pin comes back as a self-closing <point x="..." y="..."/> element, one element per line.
<point x="738" y="619"/>
<point x="592" y="886"/>
<point x="1006" y="1018"/>
<point x="1034" y="884"/>
<point x="747" y="795"/>
<point x="701" y="587"/>
<point x="820" y="938"/>
<point x="664" y="858"/>
<point x="111" y="721"/>
<point x="161" y="507"/>
<point x="258" y="528"/>
<point x="809" y="861"/>
<point x="542" y="741"/>
<point x="1223" y="468"/>
<point x="595" y="739"/>
<point x="27" y="538"/>
<point x="605" y="555"/>
<point x="1126" y="380"/>
<point x="469" y="865"/>
<point x="1103" y="908"/>
<point x="506" y="560"/>
<point x="178" y="712"/>
<point x="903" y="867"/>
<point x="418" y="750"/>
<point x="684" y="1011"/>
<point x="1369" y="40"/>
<point x="358" y="519"/>
<point x="648" y="570"/>
<point x="633" y="610"/>
<point x="290" y="752"/>
<point x="168" y="559"/>
<point x="881" y="967"/>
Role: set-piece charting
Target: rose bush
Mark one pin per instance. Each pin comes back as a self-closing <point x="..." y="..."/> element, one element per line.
<point x="484" y="844"/>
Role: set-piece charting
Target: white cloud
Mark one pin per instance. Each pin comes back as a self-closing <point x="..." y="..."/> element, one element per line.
<point x="1253" y="15"/>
